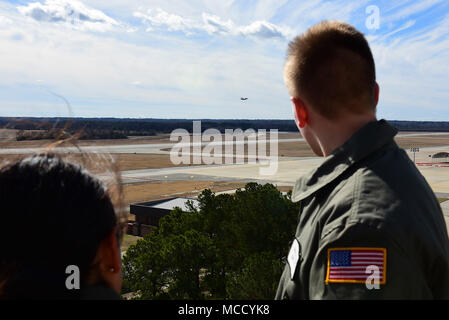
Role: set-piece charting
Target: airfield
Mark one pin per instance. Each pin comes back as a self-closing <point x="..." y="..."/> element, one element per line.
<point x="148" y="173"/>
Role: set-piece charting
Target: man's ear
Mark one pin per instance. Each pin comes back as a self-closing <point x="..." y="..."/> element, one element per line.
<point x="300" y="111"/>
<point x="376" y="94"/>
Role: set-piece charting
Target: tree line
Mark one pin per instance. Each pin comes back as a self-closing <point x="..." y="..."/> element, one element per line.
<point x="140" y="126"/>
<point x="117" y="128"/>
<point x="168" y="125"/>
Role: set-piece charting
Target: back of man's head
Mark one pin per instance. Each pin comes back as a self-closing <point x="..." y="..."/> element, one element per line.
<point x="331" y="68"/>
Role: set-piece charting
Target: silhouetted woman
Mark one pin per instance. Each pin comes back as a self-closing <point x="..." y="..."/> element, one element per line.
<point x="56" y="220"/>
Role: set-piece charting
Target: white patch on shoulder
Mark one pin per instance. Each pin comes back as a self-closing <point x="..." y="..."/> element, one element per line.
<point x="293" y="257"/>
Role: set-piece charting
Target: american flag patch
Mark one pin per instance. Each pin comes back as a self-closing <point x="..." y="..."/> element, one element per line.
<point x="355" y="265"/>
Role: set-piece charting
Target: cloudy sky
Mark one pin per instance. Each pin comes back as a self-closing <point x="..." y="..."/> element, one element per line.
<point x="196" y="58"/>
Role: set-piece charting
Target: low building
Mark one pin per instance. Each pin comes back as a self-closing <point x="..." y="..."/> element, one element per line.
<point x="440" y="157"/>
<point x="148" y="214"/>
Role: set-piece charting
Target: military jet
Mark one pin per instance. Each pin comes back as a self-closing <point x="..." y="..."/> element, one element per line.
<point x="243" y="99"/>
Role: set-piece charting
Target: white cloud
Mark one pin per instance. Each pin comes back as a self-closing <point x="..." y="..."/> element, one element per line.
<point x="69" y="12"/>
<point x="264" y="29"/>
<point x="211" y="24"/>
<point x="5" y="21"/>
<point x="160" y="18"/>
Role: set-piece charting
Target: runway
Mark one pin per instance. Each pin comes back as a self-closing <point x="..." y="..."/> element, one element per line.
<point x="150" y="148"/>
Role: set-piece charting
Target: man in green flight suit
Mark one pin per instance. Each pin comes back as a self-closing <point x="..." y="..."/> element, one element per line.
<point x="369" y="225"/>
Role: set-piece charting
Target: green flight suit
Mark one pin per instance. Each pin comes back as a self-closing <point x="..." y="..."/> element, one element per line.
<point x="368" y="194"/>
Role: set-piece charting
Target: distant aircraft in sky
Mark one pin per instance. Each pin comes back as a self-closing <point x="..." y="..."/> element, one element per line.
<point x="243" y="99"/>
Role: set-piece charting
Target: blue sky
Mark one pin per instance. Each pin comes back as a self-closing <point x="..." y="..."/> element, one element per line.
<point x="195" y="59"/>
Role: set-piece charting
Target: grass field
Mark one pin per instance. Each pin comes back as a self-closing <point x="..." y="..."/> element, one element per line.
<point x="127" y="241"/>
<point x="422" y="142"/>
<point x="160" y="190"/>
<point x="124" y="161"/>
<point x="301" y="149"/>
<point x="7" y="140"/>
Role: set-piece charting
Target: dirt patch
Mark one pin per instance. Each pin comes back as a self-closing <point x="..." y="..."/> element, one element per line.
<point x="285" y="188"/>
<point x="8" y="141"/>
<point x="302" y="149"/>
<point x="124" y="161"/>
<point x="421" y="142"/>
<point x="167" y="189"/>
<point x="142" y="161"/>
<point x="127" y="241"/>
<point x="295" y="149"/>
<point x="6" y="158"/>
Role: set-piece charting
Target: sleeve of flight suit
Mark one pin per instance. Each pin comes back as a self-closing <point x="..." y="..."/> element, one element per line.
<point x="340" y="247"/>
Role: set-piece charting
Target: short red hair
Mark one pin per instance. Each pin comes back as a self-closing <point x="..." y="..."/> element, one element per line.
<point x="331" y="67"/>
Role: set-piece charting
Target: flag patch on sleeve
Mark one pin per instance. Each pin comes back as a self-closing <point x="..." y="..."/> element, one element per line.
<point x="355" y="265"/>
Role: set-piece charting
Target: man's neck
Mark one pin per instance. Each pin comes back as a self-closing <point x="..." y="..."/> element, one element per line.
<point x="333" y="134"/>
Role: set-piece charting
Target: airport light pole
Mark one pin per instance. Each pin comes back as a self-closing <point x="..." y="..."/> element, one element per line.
<point x="414" y="150"/>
